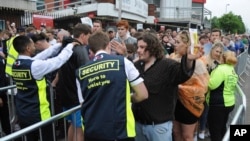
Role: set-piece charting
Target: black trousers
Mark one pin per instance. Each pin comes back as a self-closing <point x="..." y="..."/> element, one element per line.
<point x="217" y="120"/>
<point x="4" y="115"/>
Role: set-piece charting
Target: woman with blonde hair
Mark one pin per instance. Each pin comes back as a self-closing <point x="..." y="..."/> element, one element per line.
<point x="191" y="94"/>
<point x="212" y="60"/>
<point x="214" y="57"/>
<point x="221" y="98"/>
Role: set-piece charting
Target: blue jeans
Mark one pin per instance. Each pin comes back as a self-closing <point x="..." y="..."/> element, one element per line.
<point x="157" y="132"/>
<point x="203" y="118"/>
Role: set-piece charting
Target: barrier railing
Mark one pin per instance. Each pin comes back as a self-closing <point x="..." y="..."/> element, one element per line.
<point x="58" y="5"/>
<point x="238" y="113"/>
<point x="10" y="99"/>
<point x="241" y="65"/>
<point x="38" y="125"/>
<point x="15" y="134"/>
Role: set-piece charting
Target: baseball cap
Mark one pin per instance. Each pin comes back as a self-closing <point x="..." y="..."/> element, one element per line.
<point x="111" y="29"/>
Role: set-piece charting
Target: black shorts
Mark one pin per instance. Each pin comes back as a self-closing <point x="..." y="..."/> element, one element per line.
<point x="183" y="115"/>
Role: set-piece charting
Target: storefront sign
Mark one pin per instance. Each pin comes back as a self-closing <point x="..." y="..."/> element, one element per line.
<point x="199" y="1"/>
<point x="138" y="7"/>
<point x="41" y="20"/>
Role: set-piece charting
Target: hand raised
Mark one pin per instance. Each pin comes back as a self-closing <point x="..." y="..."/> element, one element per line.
<point x="120" y="48"/>
<point x="198" y="52"/>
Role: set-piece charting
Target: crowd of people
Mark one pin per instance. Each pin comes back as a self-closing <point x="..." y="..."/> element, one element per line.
<point x="133" y="85"/>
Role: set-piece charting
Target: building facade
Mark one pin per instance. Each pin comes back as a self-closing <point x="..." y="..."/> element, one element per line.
<point x="150" y="13"/>
<point x="175" y="13"/>
<point x="16" y="11"/>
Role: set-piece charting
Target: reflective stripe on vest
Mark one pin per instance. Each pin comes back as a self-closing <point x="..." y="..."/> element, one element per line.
<point x="11" y="57"/>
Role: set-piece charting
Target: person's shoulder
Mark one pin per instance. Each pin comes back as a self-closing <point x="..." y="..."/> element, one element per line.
<point x="119" y="57"/>
<point x="170" y="60"/>
<point x="221" y="67"/>
<point x="78" y="48"/>
<point x="208" y="45"/>
<point x="138" y="63"/>
<point x="200" y="62"/>
<point x="132" y="39"/>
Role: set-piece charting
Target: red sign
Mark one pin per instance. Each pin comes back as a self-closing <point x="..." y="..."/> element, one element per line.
<point x="199" y="1"/>
<point x="40" y="20"/>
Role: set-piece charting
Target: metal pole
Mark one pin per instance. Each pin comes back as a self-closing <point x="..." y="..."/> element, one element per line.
<point x="202" y="16"/>
<point x="52" y="98"/>
<point x="120" y="10"/>
<point x="226" y="7"/>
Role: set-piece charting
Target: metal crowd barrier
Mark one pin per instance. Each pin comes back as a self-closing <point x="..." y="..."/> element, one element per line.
<point x="12" y="116"/>
<point x="38" y="125"/>
<point x="11" y="106"/>
<point x="240" y="67"/>
<point x="237" y="116"/>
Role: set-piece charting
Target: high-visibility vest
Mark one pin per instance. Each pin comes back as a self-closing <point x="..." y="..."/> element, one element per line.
<point x="11" y="57"/>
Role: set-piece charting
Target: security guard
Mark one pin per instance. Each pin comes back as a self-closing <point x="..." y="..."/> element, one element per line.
<point x="103" y="87"/>
<point x="32" y="104"/>
<point x="12" y="53"/>
<point x="11" y="57"/>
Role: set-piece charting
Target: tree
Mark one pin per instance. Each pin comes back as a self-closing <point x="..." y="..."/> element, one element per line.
<point x="242" y="28"/>
<point x="215" y="23"/>
<point x="231" y="23"/>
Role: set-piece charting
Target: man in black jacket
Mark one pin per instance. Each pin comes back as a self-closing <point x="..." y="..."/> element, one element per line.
<point x="161" y="76"/>
<point x="66" y="85"/>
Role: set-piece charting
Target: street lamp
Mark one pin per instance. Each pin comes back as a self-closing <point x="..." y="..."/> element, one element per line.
<point x="226" y="7"/>
<point x="120" y="10"/>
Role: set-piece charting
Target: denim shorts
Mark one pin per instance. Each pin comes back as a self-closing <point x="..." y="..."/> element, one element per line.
<point x="75" y="118"/>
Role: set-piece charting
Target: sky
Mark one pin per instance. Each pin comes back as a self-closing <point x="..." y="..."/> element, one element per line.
<point x="238" y="7"/>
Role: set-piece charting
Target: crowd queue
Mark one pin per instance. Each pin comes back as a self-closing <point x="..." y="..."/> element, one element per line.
<point x="133" y="85"/>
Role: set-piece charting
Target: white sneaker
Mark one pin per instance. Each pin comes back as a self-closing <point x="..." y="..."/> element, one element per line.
<point x="202" y="136"/>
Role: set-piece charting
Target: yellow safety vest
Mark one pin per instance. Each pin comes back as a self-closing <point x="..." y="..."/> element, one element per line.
<point x="11" y="57"/>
